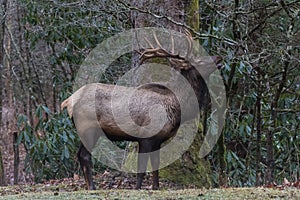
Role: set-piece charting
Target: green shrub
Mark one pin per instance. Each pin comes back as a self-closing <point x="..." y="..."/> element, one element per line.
<point x="51" y="144"/>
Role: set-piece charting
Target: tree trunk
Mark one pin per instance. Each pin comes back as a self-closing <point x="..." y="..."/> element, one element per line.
<point x="258" y="128"/>
<point x="16" y="158"/>
<point x="222" y="160"/>
<point x="2" y="32"/>
<point x="2" y="175"/>
<point x="192" y="15"/>
<point x="189" y="169"/>
<point x="274" y="106"/>
<point x="230" y="91"/>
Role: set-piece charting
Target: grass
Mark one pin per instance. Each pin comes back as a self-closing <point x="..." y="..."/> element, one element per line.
<point x="228" y="193"/>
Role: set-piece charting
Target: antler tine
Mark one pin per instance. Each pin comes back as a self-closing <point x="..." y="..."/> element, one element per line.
<point x="187" y="33"/>
<point x="149" y="53"/>
<point x="149" y="43"/>
<point x="189" y="38"/>
<point x="156" y="52"/>
<point x="173" y="45"/>
<point x="156" y="40"/>
<point x="178" y="61"/>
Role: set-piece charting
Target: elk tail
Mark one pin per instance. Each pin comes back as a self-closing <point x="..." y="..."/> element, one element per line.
<point x="67" y="104"/>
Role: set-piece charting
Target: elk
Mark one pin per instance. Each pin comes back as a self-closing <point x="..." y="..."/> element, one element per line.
<point x="80" y="108"/>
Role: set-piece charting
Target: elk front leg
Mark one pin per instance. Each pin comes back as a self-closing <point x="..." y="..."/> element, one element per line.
<point x="85" y="160"/>
<point x="154" y="157"/>
<point x="143" y="158"/>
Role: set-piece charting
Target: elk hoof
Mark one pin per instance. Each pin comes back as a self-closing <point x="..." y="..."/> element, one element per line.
<point x="138" y="187"/>
<point x="92" y="187"/>
<point x="155" y="187"/>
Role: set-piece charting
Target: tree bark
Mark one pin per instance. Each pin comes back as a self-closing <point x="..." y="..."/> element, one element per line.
<point x="16" y="158"/>
<point x="2" y="32"/>
<point x="231" y="92"/>
<point x="270" y="142"/>
<point x="192" y="15"/>
<point x="258" y="128"/>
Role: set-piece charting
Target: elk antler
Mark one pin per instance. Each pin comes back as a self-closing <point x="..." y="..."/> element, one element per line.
<point x="175" y="59"/>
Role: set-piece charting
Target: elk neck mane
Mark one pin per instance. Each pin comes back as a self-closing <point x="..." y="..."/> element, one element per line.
<point x="198" y="84"/>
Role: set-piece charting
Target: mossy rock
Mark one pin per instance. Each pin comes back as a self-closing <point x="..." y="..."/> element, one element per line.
<point x="190" y="169"/>
<point x="178" y="172"/>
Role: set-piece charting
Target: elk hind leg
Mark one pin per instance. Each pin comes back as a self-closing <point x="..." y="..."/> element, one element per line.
<point x="154" y="157"/>
<point x="85" y="160"/>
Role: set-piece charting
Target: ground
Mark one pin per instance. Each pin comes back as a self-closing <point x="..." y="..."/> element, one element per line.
<point x="229" y="193"/>
<point x="113" y="186"/>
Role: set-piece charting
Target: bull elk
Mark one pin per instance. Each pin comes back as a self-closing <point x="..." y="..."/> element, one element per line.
<point x="80" y="109"/>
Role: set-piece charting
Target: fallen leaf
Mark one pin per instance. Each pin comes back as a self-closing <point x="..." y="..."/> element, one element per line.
<point x="286" y="182"/>
<point x="76" y="177"/>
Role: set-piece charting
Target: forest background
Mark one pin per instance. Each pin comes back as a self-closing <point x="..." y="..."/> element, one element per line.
<point x="43" y="43"/>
